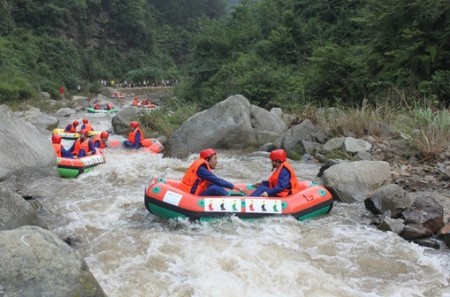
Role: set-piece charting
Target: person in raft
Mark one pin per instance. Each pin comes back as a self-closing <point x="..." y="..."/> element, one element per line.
<point x="71" y="128"/>
<point x="135" y="102"/>
<point x="134" y="137"/>
<point x="60" y="151"/>
<point x="101" y="140"/>
<point x="86" y="125"/>
<point x="282" y="182"/>
<point x="200" y="180"/>
<point x="83" y="146"/>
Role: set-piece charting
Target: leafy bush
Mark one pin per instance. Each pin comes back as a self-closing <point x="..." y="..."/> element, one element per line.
<point x="15" y="87"/>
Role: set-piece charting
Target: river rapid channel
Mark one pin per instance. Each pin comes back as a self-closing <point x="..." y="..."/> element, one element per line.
<point x="133" y="253"/>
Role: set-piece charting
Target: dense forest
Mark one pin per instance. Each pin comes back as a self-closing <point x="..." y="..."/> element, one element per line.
<point x="275" y="52"/>
<point x="46" y="43"/>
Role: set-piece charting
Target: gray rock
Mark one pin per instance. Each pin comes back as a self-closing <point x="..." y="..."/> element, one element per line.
<point x="354" y="181"/>
<point x="35" y="262"/>
<point x="354" y="145"/>
<point x="14" y="210"/>
<point x="333" y="144"/>
<point x="24" y="152"/>
<point x="225" y="125"/>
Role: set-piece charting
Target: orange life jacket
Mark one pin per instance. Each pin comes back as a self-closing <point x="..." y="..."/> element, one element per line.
<point x="57" y="148"/>
<point x="72" y="129"/>
<point x="88" y="127"/>
<point x="108" y="106"/>
<point x="96" y="106"/>
<point x="190" y="178"/>
<point x="81" y="145"/>
<point x="98" y="139"/>
<point x="135" y="102"/>
<point x="132" y="135"/>
<point x="273" y="179"/>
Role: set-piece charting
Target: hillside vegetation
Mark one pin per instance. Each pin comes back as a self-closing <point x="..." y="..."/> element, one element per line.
<point x="290" y="52"/>
<point x="45" y="44"/>
<point x="284" y="53"/>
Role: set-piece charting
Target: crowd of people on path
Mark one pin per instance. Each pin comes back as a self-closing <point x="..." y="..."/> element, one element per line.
<point x="139" y="84"/>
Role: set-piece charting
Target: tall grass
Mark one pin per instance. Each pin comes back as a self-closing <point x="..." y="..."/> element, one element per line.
<point x="427" y="130"/>
<point x="357" y="122"/>
<point x="166" y="120"/>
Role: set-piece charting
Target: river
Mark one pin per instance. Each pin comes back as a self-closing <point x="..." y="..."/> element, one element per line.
<point x="133" y="253"/>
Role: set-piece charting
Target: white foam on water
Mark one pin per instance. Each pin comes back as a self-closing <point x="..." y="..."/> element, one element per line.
<point x="133" y="253"/>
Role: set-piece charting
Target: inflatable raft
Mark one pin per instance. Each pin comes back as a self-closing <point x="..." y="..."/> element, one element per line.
<point x="69" y="135"/>
<point x="93" y="110"/>
<point x="118" y="95"/>
<point x="146" y="106"/>
<point x="74" y="167"/>
<point x="152" y="145"/>
<point x="167" y="199"/>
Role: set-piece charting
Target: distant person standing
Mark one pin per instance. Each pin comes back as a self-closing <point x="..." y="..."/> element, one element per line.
<point x="61" y="90"/>
<point x="78" y="88"/>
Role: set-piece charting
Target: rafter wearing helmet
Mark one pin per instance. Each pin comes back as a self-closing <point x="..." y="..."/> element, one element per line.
<point x="283" y="180"/>
<point x="135" y="136"/>
<point x="200" y="180"/>
<point x="83" y="146"/>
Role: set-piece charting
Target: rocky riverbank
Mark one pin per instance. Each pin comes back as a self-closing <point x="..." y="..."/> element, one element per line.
<point x="405" y="195"/>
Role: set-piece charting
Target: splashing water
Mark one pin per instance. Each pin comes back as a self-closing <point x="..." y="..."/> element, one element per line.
<point x="133" y="253"/>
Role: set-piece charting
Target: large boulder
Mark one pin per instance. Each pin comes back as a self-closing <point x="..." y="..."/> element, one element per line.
<point x="293" y="138"/>
<point x="390" y="198"/>
<point x="14" y="210"/>
<point x="355" y="181"/>
<point x="424" y="218"/>
<point x="267" y="125"/>
<point x="121" y="121"/>
<point x="231" y="124"/>
<point x="35" y="262"/>
<point x="24" y="151"/>
<point x="225" y="125"/>
<point x="42" y="121"/>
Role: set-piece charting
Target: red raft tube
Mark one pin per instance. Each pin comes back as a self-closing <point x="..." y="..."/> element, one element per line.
<point x="166" y="198"/>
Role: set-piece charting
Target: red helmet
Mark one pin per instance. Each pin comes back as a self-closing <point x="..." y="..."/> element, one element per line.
<point x="104" y="134"/>
<point x="134" y="124"/>
<point x="278" y="155"/>
<point x="206" y="153"/>
<point x="75" y="123"/>
<point x="56" y="138"/>
<point x="85" y="121"/>
<point x="84" y="132"/>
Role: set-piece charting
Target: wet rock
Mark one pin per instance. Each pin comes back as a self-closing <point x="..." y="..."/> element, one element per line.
<point x="445" y="234"/>
<point x="389" y="224"/>
<point x="389" y="198"/>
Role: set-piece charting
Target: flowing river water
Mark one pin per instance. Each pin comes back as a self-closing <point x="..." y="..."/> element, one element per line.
<point x="133" y="253"/>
